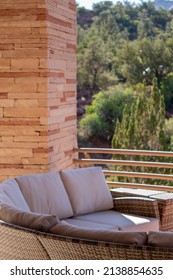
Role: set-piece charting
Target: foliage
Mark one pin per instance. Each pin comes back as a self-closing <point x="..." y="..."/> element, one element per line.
<point x="93" y="63"/>
<point x="101" y="116"/>
<point x="167" y="91"/>
<point x="102" y="6"/>
<point x="146" y="59"/>
<point x="169" y="133"/>
<point x="143" y="128"/>
<point x="113" y="45"/>
<point x="129" y="44"/>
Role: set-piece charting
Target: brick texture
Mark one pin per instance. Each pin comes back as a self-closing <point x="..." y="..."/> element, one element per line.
<point x="37" y="86"/>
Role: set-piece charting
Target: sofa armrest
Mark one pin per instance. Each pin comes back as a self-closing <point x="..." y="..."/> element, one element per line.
<point x="137" y="205"/>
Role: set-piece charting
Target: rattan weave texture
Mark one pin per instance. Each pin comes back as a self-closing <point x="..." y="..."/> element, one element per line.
<point x="165" y="206"/>
<point x="23" y="244"/>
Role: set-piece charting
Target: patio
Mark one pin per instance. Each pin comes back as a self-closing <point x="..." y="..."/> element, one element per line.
<point x="39" y="130"/>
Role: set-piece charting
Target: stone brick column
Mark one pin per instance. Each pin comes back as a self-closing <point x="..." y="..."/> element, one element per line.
<point x="37" y="86"/>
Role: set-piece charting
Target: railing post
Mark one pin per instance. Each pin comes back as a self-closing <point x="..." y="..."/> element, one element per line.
<point x="86" y="156"/>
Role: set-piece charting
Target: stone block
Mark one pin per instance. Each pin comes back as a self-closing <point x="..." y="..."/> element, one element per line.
<point x="8" y="140"/>
<point x="35" y="161"/>
<point x="15" y="152"/>
<point x="6" y="103"/>
<point x="25" y="112"/>
<point x="10" y="160"/>
<point x="16" y="130"/>
<point x="27" y="103"/>
<point x="24" y="64"/>
<point x="4" y="64"/>
<point x="37" y="139"/>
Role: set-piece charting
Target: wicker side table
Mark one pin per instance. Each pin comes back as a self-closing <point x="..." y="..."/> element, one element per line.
<point x="165" y="203"/>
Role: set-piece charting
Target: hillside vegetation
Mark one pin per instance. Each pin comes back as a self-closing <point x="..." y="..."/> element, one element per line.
<point x="124" y="53"/>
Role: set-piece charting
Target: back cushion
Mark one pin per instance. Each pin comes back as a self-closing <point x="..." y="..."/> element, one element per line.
<point x="10" y="193"/>
<point x="45" y="194"/>
<point x="87" y="190"/>
<point x="19" y="217"/>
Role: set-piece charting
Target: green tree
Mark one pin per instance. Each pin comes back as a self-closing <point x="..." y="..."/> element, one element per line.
<point x="93" y="63"/>
<point x="151" y="22"/>
<point x="100" y="117"/>
<point x="167" y="91"/>
<point x="146" y="59"/>
<point x="102" y="6"/>
<point x="110" y="43"/>
<point x="143" y="128"/>
<point x="169" y="132"/>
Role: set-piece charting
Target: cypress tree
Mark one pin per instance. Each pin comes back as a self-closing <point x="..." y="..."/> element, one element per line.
<point x="142" y="127"/>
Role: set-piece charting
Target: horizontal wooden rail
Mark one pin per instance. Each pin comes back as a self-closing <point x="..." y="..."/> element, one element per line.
<point x="123" y="152"/>
<point x="87" y="161"/>
<point x="138" y="175"/>
<point x="124" y="163"/>
<point x="140" y="186"/>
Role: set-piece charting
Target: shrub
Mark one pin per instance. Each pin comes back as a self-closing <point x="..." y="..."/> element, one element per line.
<point x="101" y="116"/>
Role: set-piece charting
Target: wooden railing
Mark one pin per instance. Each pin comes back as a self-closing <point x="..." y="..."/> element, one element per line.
<point x="86" y="158"/>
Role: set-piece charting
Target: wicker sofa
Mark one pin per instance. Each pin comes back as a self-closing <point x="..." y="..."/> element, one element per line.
<point x="72" y="215"/>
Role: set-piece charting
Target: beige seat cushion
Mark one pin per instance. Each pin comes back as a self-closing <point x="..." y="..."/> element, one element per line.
<point x="45" y="194"/>
<point x="10" y="193"/>
<point x="140" y="223"/>
<point x="86" y="224"/>
<point x="30" y="220"/>
<point x="63" y="228"/>
<point x="161" y="239"/>
<point x="121" y="221"/>
<point x="87" y="190"/>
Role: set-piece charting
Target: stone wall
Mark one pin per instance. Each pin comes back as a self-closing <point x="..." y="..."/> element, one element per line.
<point x="37" y="86"/>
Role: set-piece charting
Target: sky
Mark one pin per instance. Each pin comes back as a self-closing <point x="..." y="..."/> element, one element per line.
<point x="88" y="3"/>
